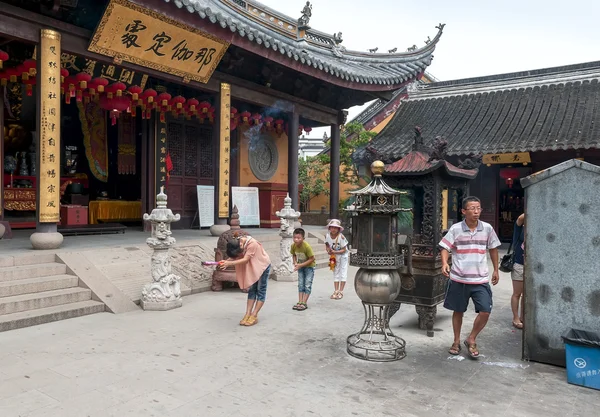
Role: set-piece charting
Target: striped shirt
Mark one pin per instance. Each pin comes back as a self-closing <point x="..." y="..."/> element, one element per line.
<point x="469" y="251"/>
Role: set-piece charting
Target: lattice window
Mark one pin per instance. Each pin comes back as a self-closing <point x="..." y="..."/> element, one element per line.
<point x="191" y="151"/>
<point x="175" y="141"/>
<point x="206" y="153"/>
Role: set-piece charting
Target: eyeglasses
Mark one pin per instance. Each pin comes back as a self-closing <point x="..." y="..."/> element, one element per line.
<point x="474" y="209"/>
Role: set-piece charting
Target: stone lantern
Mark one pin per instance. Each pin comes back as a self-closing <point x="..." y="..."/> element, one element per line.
<point x="380" y="258"/>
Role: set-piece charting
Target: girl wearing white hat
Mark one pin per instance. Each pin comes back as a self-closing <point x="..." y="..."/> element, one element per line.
<point x="337" y="247"/>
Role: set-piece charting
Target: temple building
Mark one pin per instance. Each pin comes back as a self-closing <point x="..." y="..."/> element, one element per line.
<point x="508" y="125"/>
<point x="106" y="101"/>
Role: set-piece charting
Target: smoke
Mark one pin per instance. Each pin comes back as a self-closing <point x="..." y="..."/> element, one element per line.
<point x="252" y="136"/>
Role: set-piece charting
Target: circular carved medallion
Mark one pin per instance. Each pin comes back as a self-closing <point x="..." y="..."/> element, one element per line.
<point x="263" y="157"/>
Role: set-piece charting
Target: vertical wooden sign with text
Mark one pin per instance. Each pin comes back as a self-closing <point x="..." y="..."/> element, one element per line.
<point x="224" y="153"/>
<point x="161" y="155"/>
<point x="49" y="127"/>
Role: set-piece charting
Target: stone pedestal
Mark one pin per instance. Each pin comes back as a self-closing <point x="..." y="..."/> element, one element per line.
<point x="46" y="240"/>
<point x="2" y="230"/>
<point x="164" y="292"/>
<point x="284" y="267"/>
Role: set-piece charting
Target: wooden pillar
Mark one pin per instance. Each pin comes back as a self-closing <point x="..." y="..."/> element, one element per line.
<point x="293" y="159"/>
<point x="48" y="146"/>
<point x="334" y="172"/>
<point x="222" y="139"/>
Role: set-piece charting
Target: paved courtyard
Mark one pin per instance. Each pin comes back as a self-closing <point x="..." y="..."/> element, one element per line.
<point x="197" y="361"/>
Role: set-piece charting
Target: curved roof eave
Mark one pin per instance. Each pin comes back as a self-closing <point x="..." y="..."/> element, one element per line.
<point x="326" y="60"/>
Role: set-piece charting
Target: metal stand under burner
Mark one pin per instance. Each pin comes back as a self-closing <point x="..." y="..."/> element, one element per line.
<point x="376" y="342"/>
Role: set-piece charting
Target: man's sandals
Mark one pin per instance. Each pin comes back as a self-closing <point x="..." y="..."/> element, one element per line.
<point x="300" y="307"/>
<point x="473" y="351"/>
<point x="455" y="349"/>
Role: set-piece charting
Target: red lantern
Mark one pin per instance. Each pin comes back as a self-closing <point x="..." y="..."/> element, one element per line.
<point x="69" y="88"/>
<point x="100" y="83"/>
<point x="115" y="106"/>
<point x="279" y="126"/>
<point x="3" y="57"/>
<point x="509" y="175"/>
<point x="204" y="106"/>
<point x="118" y="88"/>
<point x="135" y="91"/>
<point x="64" y="73"/>
<point x="245" y="117"/>
<point x="256" y="119"/>
<point x="83" y="78"/>
<point x="28" y="69"/>
<point x="268" y="123"/>
<point x="148" y="96"/>
<point x="193" y="105"/>
<point x="4" y="78"/>
<point x="178" y="102"/>
<point x="308" y="129"/>
<point x="163" y="99"/>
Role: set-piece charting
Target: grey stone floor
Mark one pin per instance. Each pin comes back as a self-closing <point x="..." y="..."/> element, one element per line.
<point x="197" y="361"/>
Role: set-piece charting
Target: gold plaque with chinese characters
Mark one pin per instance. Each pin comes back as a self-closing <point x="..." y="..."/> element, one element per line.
<point x="128" y="32"/>
<point x="224" y="151"/>
<point x="49" y="127"/>
<point x="507" y="158"/>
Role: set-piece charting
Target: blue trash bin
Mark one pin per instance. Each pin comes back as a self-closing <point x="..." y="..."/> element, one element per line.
<point x="583" y="358"/>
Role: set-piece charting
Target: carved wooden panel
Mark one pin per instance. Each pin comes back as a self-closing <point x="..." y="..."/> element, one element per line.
<point x="176" y="147"/>
<point x="191" y="151"/>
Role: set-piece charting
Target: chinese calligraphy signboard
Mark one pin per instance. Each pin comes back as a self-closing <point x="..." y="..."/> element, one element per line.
<point x="224" y="152"/>
<point x="507" y="158"/>
<point x="161" y="156"/>
<point x="49" y="127"/>
<point x="112" y="73"/>
<point x="132" y="33"/>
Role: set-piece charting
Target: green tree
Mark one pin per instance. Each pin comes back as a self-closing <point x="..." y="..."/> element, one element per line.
<point x="353" y="136"/>
<point x="313" y="176"/>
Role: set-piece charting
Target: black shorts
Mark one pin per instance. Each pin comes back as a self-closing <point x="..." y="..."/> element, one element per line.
<point x="458" y="294"/>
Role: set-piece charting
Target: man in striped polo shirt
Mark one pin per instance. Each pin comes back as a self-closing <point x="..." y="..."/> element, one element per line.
<point x="469" y="242"/>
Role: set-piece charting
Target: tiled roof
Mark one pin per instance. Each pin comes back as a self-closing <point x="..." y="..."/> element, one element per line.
<point x="550" y="109"/>
<point x="276" y="32"/>
<point x="419" y="163"/>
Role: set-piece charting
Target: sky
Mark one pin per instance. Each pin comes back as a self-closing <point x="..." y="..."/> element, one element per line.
<point x="481" y="38"/>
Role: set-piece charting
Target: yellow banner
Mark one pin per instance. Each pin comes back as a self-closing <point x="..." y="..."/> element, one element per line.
<point x="128" y="32"/>
<point x="507" y="158"/>
<point x="49" y="140"/>
<point x="225" y="135"/>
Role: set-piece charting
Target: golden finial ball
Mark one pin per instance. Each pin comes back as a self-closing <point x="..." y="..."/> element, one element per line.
<point x="378" y="168"/>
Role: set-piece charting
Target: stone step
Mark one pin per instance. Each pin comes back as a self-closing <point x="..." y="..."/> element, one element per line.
<point x="30" y="259"/>
<point x="33" y="285"/>
<point x="49" y="314"/>
<point x="24" y="302"/>
<point x="31" y="271"/>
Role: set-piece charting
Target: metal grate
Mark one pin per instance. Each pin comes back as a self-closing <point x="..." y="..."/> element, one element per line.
<point x="175" y="145"/>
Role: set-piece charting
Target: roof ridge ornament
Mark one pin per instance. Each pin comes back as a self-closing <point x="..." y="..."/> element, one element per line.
<point x="304" y="20"/>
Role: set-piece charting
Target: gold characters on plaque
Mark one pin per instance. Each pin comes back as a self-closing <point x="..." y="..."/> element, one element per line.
<point x="49" y="127"/>
<point x="225" y="135"/>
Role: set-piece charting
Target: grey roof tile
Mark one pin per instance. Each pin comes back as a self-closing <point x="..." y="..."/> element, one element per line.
<point x="550" y="109"/>
<point x="321" y="51"/>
